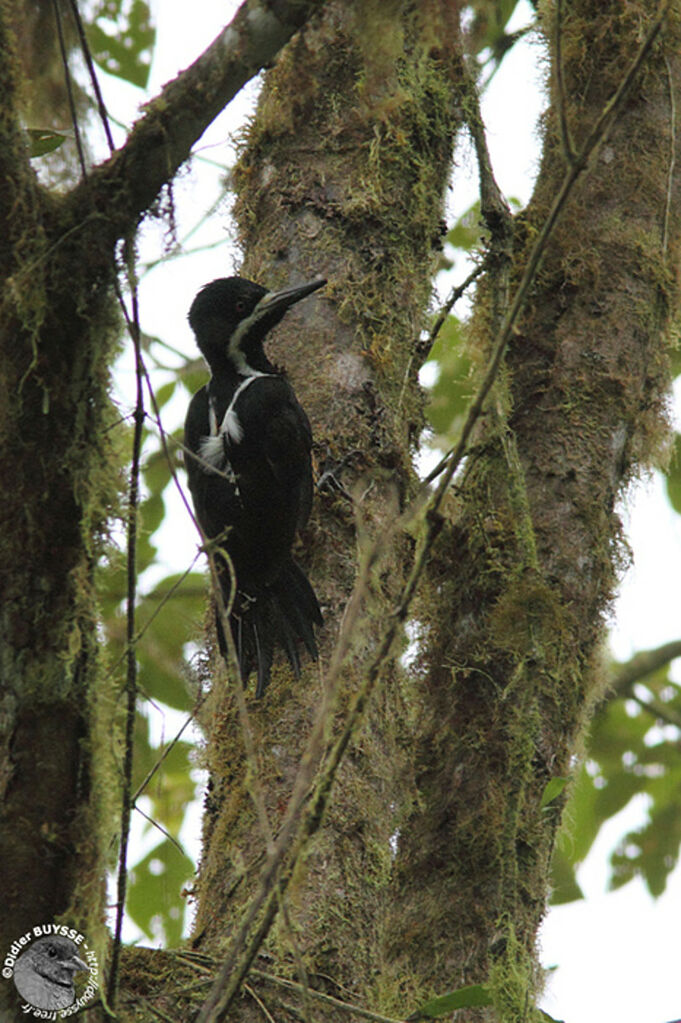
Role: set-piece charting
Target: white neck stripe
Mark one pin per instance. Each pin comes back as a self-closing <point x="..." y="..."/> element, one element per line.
<point x="230" y="424"/>
<point x="237" y="337"/>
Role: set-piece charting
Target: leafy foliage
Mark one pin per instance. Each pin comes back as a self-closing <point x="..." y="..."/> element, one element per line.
<point x="43" y="140"/>
<point x="472" y="996"/>
<point x="121" y="37"/>
<point x="451" y="393"/>
<point x="632" y="753"/>
<point x="487" y="34"/>
<point x="553" y="790"/>
<point x="152" y="900"/>
<point x="169" y="618"/>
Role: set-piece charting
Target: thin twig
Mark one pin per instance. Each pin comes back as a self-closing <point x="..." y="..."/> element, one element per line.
<point x="158" y="1013"/>
<point x="424" y="347"/>
<point x="568" y="149"/>
<point x="159" y="827"/>
<point x="93" y="74"/>
<point x="259" y="1002"/>
<point x="643" y="663"/>
<point x="69" y="87"/>
<point x="131" y="674"/>
<point x="672" y="157"/>
<point x="320" y="996"/>
<point x="658" y="711"/>
<point x="166" y="750"/>
<point x="155" y="613"/>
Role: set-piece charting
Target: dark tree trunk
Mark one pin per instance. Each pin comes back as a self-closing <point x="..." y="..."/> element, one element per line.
<point x="525" y="570"/>
<point x="343" y="175"/>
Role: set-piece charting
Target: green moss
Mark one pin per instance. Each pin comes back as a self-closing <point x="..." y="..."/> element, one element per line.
<point x="513" y="979"/>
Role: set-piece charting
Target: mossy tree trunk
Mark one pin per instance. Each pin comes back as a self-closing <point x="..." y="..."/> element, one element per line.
<point x="60" y="481"/>
<point x="526" y="566"/>
<point x="58" y="328"/>
<point x="343" y="174"/>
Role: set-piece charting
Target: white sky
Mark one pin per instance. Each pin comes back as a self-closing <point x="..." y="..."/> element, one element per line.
<point x="616" y="953"/>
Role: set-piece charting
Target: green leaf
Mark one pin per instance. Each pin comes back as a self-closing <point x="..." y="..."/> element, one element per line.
<point x="674" y="475"/>
<point x="156" y="470"/>
<point x="172" y="787"/>
<point x="44" y="140"/>
<point x="564" y="885"/>
<point x="124" y="49"/>
<point x="620" y="789"/>
<point x="165" y="392"/>
<point x="463" y="998"/>
<point x="450" y="395"/>
<point x="465" y="233"/>
<point x="155" y="891"/>
<point x="193" y="375"/>
<point x="553" y="790"/>
<point x="170" y="618"/>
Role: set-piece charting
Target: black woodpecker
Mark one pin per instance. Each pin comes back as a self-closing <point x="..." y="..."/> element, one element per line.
<point x="247" y="455"/>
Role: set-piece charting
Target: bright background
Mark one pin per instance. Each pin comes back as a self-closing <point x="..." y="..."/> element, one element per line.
<point x="613" y="955"/>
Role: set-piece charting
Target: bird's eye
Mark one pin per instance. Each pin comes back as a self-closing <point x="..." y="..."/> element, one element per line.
<point x="241" y="306"/>
<point x="52" y="952"/>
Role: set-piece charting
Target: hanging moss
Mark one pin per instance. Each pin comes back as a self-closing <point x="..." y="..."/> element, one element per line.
<point x="59" y="329"/>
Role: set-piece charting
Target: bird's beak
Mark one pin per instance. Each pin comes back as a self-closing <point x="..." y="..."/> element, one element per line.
<point x="78" y="964"/>
<point x="279" y="301"/>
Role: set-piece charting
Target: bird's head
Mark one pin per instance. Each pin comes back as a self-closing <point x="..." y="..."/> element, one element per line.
<point x="231" y="316"/>
<point x="44" y="972"/>
<point x="55" y="958"/>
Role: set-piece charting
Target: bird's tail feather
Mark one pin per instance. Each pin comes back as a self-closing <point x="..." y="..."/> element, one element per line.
<point x="281" y="615"/>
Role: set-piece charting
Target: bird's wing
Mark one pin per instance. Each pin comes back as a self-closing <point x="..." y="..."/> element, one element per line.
<point x="196" y="426"/>
<point x="214" y="495"/>
<point x="277" y="435"/>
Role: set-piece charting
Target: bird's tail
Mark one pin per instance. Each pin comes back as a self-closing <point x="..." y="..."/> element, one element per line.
<point x="282" y="615"/>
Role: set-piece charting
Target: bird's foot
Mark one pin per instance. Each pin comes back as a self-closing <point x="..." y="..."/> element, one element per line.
<point x="331" y="468"/>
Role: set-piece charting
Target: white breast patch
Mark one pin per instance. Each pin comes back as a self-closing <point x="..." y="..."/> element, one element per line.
<point x="230" y="426"/>
<point x="213" y="449"/>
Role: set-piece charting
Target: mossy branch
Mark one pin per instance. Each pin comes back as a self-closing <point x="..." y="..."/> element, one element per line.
<point x="494" y="208"/>
<point x="644" y="663"/>
<point x="597" y="136"/>
<point x="566" y="138"/>
<point x="127" y="184"/>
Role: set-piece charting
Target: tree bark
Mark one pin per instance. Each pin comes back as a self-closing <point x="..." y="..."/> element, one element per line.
<point x="525" y="569"/>
<point x="57" y="334"/>
<point x="343" y="175"/>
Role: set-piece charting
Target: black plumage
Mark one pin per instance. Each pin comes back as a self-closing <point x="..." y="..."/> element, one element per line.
<point x="248" y="461"/>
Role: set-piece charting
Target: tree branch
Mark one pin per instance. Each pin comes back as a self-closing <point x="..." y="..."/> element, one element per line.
<point x="645" y="662"/>
<point x="128" y="182"/>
